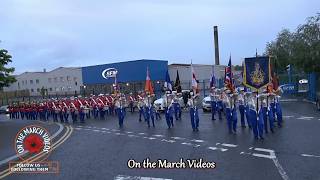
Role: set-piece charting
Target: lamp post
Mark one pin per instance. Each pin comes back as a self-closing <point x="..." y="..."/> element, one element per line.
<point x="84" y="91"/>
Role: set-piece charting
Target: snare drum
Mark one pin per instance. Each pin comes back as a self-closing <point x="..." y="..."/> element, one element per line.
<point x="86" y="110"/>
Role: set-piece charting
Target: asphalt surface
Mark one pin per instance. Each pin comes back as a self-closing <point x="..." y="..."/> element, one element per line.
<point x="98" y="149"/>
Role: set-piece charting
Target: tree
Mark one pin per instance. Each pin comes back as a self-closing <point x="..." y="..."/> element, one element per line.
<point x="5" y="73"/>
<point x="300" y="48"/>
<point x="306" y="45"/>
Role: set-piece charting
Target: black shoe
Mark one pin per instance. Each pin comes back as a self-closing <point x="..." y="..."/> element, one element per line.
<point x="272" y="130"/>
<point x="261" y="138"/>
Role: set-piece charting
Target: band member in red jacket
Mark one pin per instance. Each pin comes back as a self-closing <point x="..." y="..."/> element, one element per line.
<point x="131" y="100"/>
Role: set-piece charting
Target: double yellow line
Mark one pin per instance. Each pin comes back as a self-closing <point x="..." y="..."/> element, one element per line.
<point x="66" y="135"/>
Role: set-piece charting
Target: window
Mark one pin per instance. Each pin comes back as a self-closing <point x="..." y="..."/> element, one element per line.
<point x="74" y="78"/>
<point x="37" y="81"/>
<point x="76" y="83"/>
<point x="22" y="82"/>
<point x="38" y="90"/>
<point x="31" y="81"/>
<point x="26" y="82"/>
<point x="61" y="79"/>
<point x="49" y="80"/>
<point x="55" y="79"/>
<point x="68" y="78"/>
<point x="31" y="90"/>
<point x="50" y="89"/>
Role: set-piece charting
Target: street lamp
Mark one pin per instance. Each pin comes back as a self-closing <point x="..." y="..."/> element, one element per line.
<point x="84" y="91"/>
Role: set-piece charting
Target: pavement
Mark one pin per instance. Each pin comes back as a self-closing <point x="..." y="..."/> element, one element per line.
<point x="98" y="149"/>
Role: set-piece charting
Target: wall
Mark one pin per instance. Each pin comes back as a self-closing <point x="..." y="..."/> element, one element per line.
<point x="68" y="80"/>
<point x="130" y="71"/>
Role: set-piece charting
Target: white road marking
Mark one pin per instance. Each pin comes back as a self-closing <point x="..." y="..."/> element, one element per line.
<point x="216" y="148"/>
<point x="305" y="117"/>
<point x="105" y="128"/>
<point x="119" y="134"/>
<point x="96" y="130"/>
<point x="279" y="167"/>
<point x="223" y="150"/>
<point x="158" y="135"/>
<point x="288" y="116"/>
<point x="213" y="148"/>
<point x="273" y="157"/>
<point x="169" y="141"/>
<point x="197" y="140"/>
<point x="263" y="155"/>
<point x="264" y="150"/>
<point x="229" y="145"/>
<point x="310" y="155"/>
<point x="152" y="138"/>
<point x="123" y="177"/>
<point x="178" y="138"/>
<point x="129" y="132"/>
<point x="77" y="128"/>
<point x="141" y="133"/>
<point x="186" y="143"/>
<point x="132" y="135"/>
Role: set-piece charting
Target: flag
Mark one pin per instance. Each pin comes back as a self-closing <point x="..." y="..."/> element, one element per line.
<point x="148" y="87"/>
<point x="167" y="83"/>
<point x="228" y="79"/>
<point x="177" y="84"/>
<point x="257" y="72"/>
<point x="194" y="83"/>
<point x="213" y="79"/>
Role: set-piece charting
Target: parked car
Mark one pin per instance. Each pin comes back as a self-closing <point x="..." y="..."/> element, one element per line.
<point x="4" y="110"/>
<point x="159" y="103"/>
<point x="206" y="104"/>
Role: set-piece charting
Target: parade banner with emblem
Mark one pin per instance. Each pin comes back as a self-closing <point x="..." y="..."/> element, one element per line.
<point x="257" y="72"/>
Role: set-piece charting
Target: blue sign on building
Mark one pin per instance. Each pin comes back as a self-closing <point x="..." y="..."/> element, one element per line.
<point x="288" y="88"/>
<point x="129" y="71"/>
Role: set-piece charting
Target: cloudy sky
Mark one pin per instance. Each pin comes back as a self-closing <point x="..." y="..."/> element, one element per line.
<point x="53" y="33"/>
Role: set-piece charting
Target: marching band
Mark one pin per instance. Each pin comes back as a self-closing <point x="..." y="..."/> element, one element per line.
<point x="257" y="110"/>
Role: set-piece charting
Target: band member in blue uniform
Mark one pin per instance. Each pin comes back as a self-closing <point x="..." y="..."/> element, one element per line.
<point x="242" y="108"/>
<point x="193" y="102"/>
<point x="278" y="109"/>
<point x="176" y="105"/>
<point x="120" y="103"/>
<point x="229" y="101"/>
<point x="270" y="100"/>
<point x="149" y="109"/>
<point x="167" y="103"/>
<point x="141" y="107"/>
<point x="247" y="110"/>
<point x="213" y="98"/>
<point x="219" y="103"/>
<point x="260" y="114"/>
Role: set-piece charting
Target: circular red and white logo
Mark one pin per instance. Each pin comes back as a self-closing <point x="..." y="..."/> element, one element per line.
<point x="32" y="140"/>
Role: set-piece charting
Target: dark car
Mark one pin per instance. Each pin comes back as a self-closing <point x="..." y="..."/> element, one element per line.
<point x="4" y="110"/>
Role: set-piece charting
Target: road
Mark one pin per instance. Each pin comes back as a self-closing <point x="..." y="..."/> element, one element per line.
<point x="98" y="149"/>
